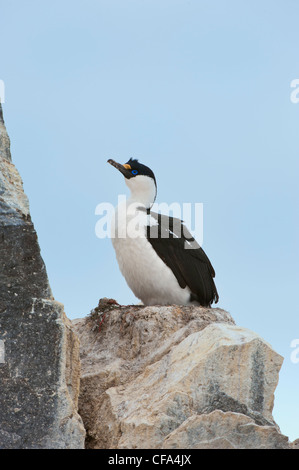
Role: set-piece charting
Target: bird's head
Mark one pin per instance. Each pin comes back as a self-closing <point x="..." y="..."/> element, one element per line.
<point x="140" y="179"/>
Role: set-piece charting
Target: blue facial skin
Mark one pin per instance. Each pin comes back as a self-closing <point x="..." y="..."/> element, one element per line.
<point x="134" y="172"/>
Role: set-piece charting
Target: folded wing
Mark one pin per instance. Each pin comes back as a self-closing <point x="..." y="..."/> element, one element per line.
<point x="183" y="255"/>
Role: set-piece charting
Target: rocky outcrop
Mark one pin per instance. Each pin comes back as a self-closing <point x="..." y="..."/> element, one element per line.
<point x="40" y="374"/>
<point x="224" y="430"/>
<point x="175" y="377"/>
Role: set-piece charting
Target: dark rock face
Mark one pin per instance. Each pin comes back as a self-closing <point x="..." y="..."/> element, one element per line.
<point x="38" y="395"/>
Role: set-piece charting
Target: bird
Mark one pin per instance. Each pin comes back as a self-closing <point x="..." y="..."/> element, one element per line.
<point x="160" y="260"/>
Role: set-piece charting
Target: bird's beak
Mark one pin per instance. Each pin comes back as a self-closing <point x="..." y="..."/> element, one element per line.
<point x="124" y="169"/>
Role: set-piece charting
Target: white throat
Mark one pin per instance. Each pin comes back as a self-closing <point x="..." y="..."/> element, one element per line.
<point x="143" y="190"/>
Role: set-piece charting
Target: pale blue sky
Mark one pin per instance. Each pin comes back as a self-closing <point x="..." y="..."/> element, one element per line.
<point x="197" y="90"/>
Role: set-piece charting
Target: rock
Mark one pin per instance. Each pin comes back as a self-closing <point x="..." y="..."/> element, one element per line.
<point x="4" y="139"/>
<point x="13" y="202"/>
<point x="40" y="376"/>
<point x="295" y="444"/>
<point x="146" y="370"/>
<point x="118" y="343"/>
<point x="224" y="430"/>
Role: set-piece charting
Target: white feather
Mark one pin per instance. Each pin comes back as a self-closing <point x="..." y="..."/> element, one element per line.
<point x="151" y="280"/>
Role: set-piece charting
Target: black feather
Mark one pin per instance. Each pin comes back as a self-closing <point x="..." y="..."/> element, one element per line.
<point x="191" y="266"/>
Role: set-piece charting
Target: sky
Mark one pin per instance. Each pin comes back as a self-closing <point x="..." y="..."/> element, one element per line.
<point x="199" y="91"/>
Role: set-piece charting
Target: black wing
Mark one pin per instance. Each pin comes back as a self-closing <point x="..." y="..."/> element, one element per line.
<point x="183" y="255"/>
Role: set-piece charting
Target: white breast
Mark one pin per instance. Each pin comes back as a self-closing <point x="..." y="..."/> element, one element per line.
<point x="146" y="274"/>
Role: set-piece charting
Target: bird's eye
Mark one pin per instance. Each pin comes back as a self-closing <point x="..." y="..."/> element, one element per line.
<point x="134" y="172"/>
